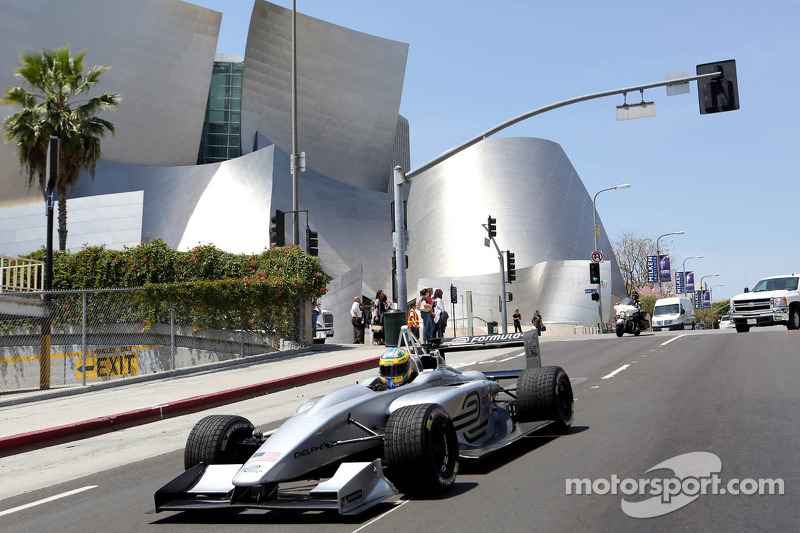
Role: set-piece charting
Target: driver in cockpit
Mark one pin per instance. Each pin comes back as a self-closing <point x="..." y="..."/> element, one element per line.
<point x="396" y="368"/>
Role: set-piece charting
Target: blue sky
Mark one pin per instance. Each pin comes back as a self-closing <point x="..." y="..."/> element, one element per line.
<point x="726" y="179"/>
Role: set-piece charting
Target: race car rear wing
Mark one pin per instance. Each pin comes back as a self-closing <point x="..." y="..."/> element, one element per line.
<point x="529" y="339"/>
<point x="432" y="356"/>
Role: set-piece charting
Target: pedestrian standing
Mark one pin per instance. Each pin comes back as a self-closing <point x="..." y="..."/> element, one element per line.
<point x="537" y="322"/>
<point x="517" y="325"/>
<point x="425" y="306"/>
<point x="357" y="318"/>
<point x="440" y="317"/>
<point x="413" y="319"/>
<point x="379" y="305"/>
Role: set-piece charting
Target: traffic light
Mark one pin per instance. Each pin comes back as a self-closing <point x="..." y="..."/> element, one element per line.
<point x="595" y="296"/>
<point x="594" y="273"/>
<point x="492" y="227"/>
<point x="277" y="232"/>
<point x="721" y="93"/>
<point x="511" y="267"/>
<point x="312" y="238"/>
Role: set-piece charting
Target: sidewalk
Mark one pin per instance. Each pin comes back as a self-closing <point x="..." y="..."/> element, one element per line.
<point x="65" y="415"/>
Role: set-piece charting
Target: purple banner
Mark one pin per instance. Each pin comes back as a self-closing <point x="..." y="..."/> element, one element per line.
<point x="679" y="282"/>
<point x="690" y="282"/>
<point x="707" y="299"/>
<point x="663" y="261"/>
<point x="697" y="303"/>
<point x="651" y="268"/>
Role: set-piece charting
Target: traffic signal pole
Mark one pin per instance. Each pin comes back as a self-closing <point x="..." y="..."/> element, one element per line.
<point x="491" y="233"/>
<point x="402" y="178"/>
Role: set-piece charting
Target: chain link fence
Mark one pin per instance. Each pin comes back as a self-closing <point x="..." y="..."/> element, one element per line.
<point x="80" y="338"/>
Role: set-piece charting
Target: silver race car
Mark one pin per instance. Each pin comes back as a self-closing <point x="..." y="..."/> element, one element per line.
<point x="403" y="430"/>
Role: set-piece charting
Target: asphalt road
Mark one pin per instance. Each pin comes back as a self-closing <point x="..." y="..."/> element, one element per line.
<point x="640" y="401"/>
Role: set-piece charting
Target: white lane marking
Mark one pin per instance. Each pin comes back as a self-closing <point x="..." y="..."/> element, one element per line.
<point x="672" y="339"/>
<point x="509" y="358"/>
<point x="46" y="500"/>
<point x="615" y="372"/>
<point x="393" y="509"/>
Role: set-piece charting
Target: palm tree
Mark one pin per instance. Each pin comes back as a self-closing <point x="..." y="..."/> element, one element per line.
<point x="50" y="107"/>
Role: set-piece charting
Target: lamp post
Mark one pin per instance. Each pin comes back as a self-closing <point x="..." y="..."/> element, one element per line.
<point x="701" y="295"/>
<point x="684" y="270"/>
<point x="658" y="257"/>
<point x="596" y="235"/>
<point x="295" y="156"/>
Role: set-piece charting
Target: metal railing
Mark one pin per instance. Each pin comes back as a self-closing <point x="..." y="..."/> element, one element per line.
<point x="80" y="338"/>
<point x="21" y="275"/>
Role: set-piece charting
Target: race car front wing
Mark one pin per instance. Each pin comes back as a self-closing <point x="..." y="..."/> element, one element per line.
<point x="354" y="488"/>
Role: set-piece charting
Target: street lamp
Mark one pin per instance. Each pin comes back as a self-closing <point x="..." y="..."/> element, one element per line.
<point x="596" y="235"/>
<point x="684" y="270"/>
<point x="701" y="284"/>
<point x="704" y="277"/>
<point x="701" y="293"/>
<point x="658" y="257"/>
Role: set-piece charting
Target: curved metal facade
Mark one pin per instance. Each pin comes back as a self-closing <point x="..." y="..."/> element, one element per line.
<point x="349" y="86"/>
<point x="160" y="52"/>
<point x="349" y="124"/>
<point x="543" y="212"/>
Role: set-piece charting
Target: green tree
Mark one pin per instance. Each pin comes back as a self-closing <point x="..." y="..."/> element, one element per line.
<point x="56" y="102"/>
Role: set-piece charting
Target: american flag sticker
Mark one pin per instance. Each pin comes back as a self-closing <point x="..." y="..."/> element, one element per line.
<point x="270" y="456"/>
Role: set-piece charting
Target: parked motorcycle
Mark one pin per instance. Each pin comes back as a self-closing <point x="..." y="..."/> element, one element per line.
<point x="630" y="319"/>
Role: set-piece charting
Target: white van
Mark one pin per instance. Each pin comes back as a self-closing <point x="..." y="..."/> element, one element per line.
<point x="674" y="313"/>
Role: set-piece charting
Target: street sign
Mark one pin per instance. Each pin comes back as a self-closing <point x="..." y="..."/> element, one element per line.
<point x="597" y="256"/>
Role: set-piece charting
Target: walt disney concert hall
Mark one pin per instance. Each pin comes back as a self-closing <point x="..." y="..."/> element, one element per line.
<point x="201" y="155"/>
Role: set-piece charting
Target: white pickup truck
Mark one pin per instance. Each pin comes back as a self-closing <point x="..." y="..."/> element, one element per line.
<point x="773" y="301"/>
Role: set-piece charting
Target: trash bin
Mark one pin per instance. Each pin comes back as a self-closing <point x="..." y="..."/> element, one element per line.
<point x="491" y="328"/>
<point x="392" y="322"/>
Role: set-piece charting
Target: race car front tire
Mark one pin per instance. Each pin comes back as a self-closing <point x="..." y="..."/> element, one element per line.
<point x="545" y="394"/>
<point x="421" y="450"/>
<point x="217" y="439"/>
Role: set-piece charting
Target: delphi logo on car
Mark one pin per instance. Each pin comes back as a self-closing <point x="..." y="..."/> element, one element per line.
<point x="308" y="451"/>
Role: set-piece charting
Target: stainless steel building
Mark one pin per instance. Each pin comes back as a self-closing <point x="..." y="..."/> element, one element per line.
<point x="177" y="108"/>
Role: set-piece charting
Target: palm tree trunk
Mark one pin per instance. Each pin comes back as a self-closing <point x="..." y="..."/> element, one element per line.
<point x="62" y="216"/>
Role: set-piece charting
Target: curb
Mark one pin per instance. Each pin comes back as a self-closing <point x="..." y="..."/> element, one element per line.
<point x="106" y="424"/>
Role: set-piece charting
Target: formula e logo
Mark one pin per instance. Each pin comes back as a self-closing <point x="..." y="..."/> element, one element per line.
<point x="479" y="339"/>
<point x="308" y="451"/>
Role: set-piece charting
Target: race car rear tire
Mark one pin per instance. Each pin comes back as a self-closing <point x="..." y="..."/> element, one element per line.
<point x="545" y="394"/>
<point x="421" y="450"/>
<point x="217" y="439"/>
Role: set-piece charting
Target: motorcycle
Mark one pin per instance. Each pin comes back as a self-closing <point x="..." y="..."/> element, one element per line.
<point x="630" y="319"/>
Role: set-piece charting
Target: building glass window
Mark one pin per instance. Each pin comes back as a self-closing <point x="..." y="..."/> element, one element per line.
<point x="221" y="138"/>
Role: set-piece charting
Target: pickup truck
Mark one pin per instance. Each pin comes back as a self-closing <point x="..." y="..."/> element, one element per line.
<point x="773" y="301"/>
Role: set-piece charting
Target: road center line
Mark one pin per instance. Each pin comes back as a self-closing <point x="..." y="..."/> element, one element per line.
<point x="46" y="500"/>
<point x="672" y="339"/>
<point x="615" y="372"/>
<point x="393" y="509"/>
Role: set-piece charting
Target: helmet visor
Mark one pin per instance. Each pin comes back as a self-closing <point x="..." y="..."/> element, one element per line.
<point x="392" y="370"/>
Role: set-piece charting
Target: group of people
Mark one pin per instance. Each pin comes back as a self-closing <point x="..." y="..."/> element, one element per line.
<point x="426" y="312"/>
<point x="360" y="317"/>
<point x="430" y="312"/>
<point x="537" y="321"/>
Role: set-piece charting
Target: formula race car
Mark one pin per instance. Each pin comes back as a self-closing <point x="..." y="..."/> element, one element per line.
<point x="403" y="430"/>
